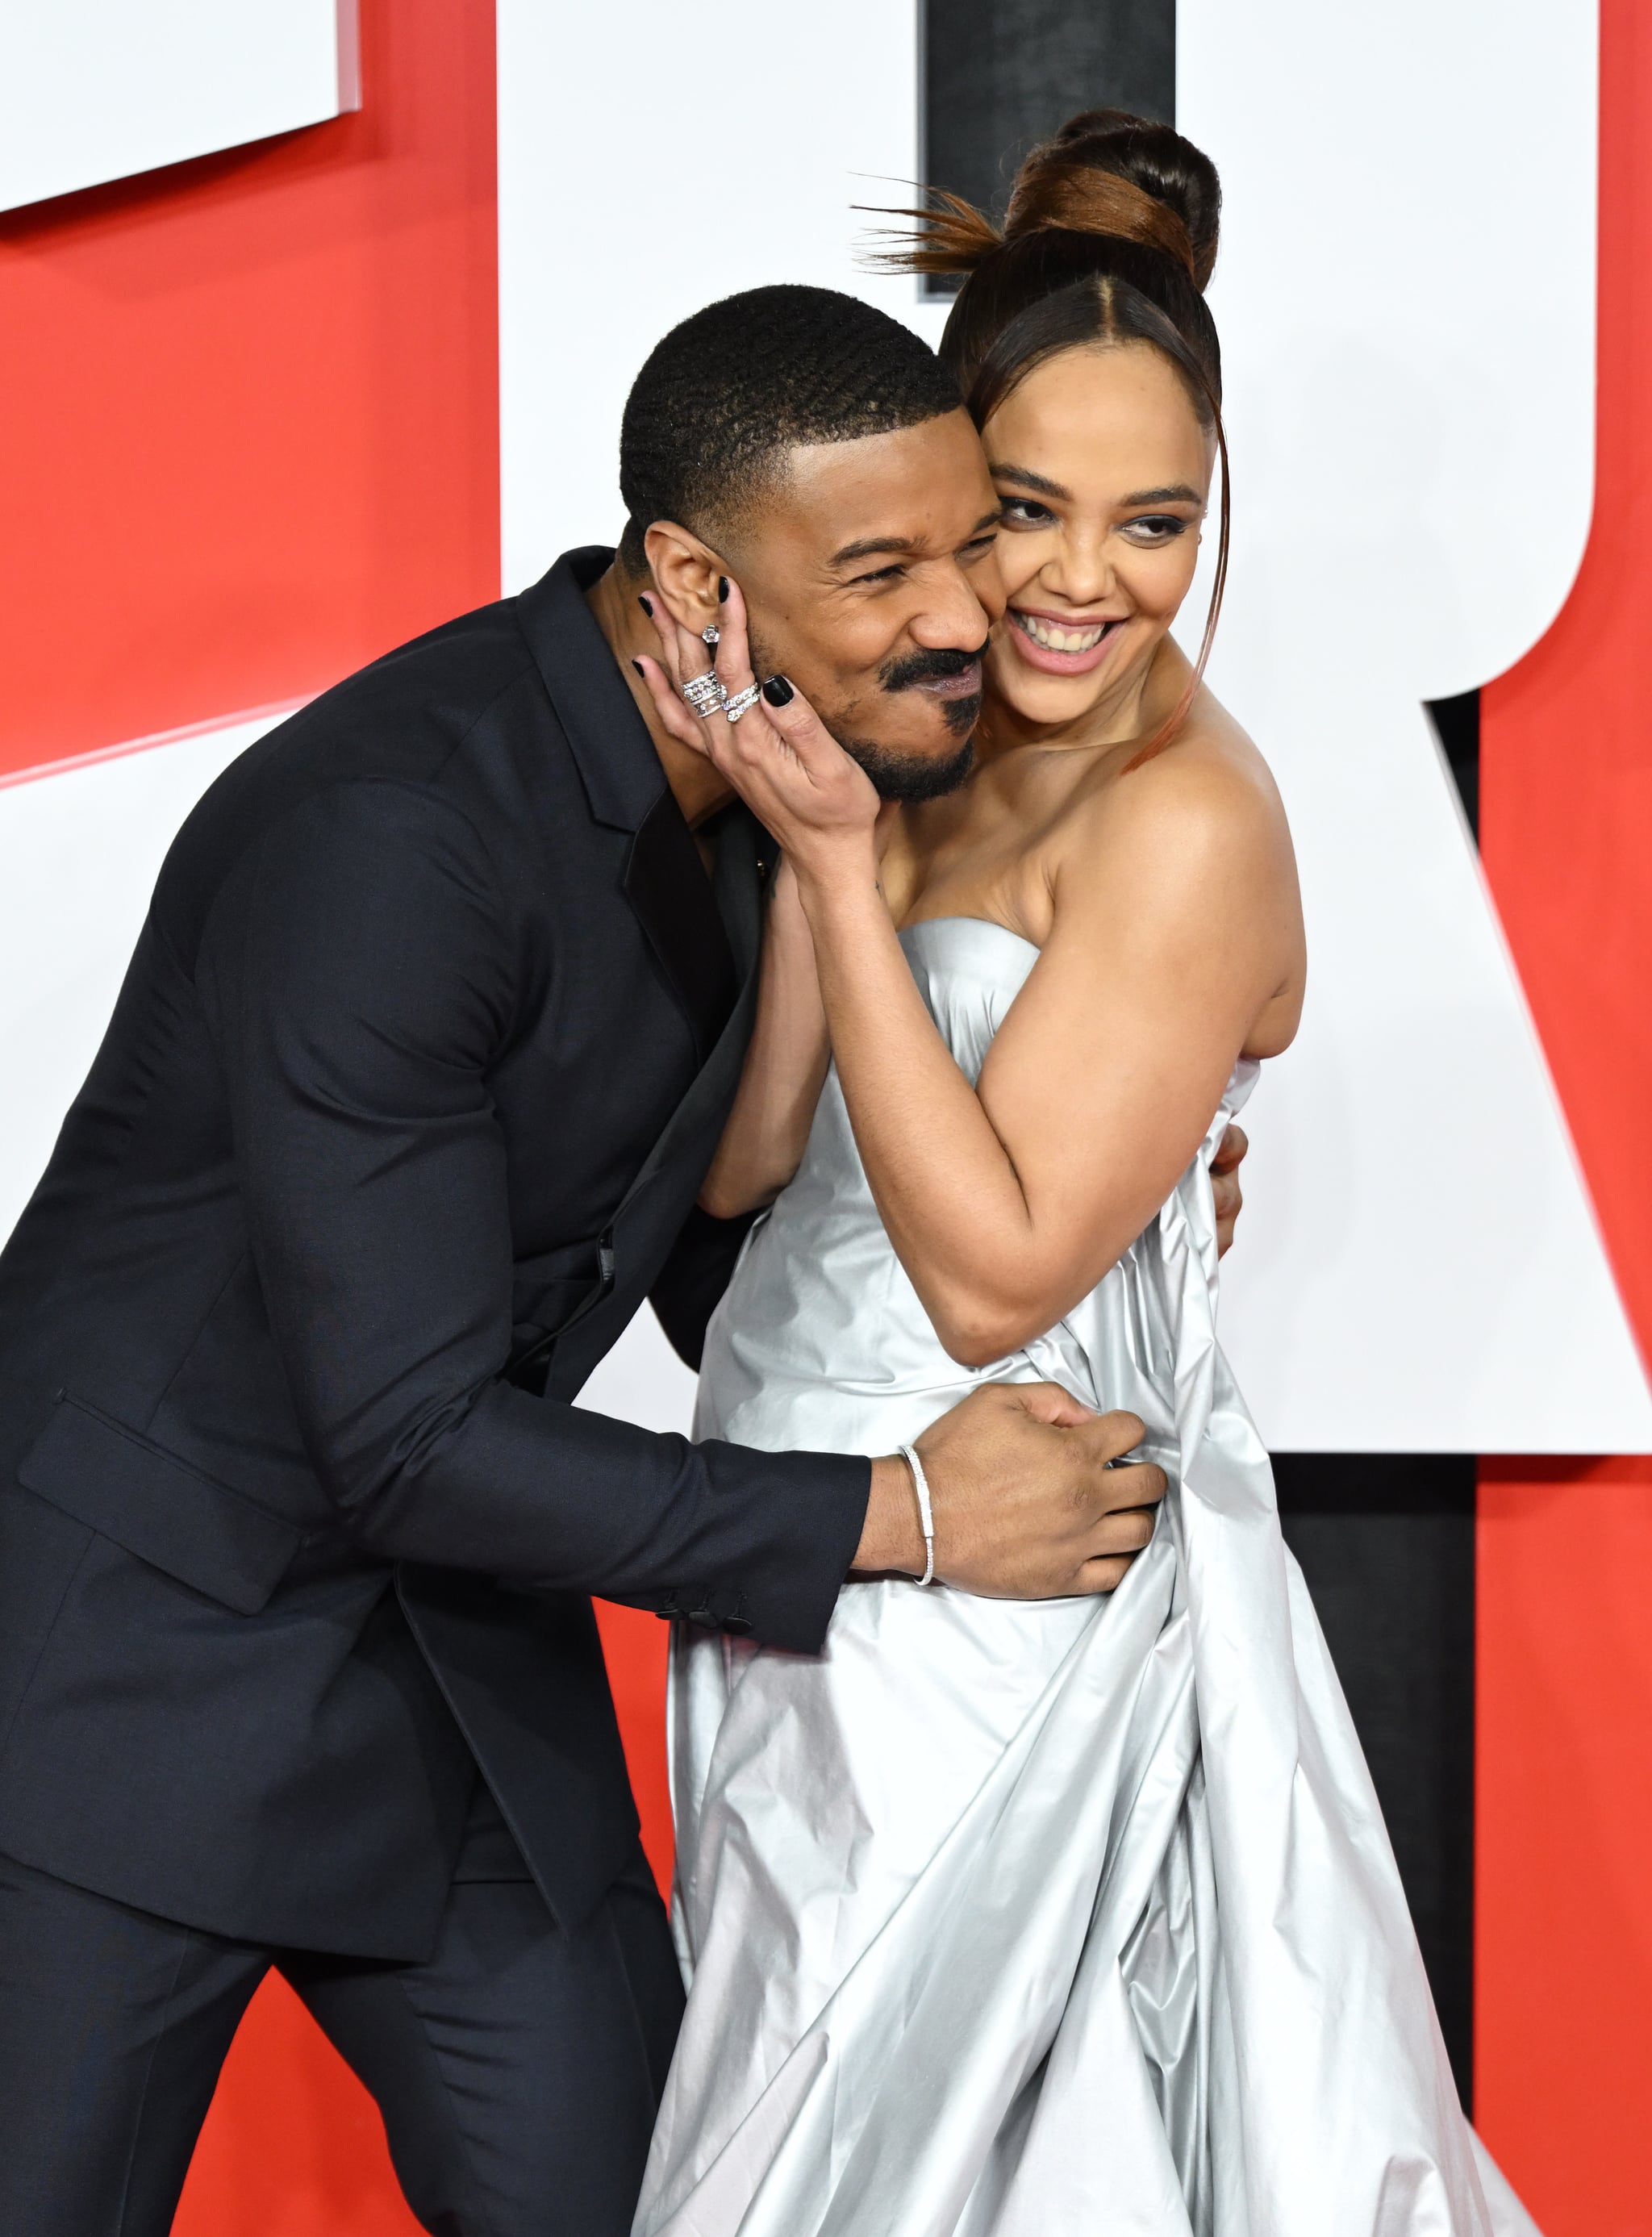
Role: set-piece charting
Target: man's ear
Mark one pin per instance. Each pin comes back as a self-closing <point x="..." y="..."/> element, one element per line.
<point x="685" y="572"/>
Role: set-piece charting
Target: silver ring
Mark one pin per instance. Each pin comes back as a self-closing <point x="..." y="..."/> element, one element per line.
<point x="705" y="693"/>
<point x="742" y="703"/>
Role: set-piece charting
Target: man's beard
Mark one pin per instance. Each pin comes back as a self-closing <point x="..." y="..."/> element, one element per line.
<point x="913" y="777"/>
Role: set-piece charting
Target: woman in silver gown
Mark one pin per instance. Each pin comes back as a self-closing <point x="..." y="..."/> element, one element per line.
<point x="1017" y="1919"/>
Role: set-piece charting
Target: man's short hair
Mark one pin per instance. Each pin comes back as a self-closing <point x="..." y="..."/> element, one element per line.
<point x="730" y="391"/>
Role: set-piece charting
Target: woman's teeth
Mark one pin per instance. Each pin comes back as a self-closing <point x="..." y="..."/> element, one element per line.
<point x="1060" y="640"/>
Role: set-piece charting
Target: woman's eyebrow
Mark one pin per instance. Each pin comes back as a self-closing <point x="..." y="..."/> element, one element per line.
<point x="1176" y="493"/>
<point x="1044" y="486"/>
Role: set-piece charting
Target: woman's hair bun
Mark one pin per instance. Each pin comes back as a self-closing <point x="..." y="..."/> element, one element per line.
<point x="1105" y="172"/>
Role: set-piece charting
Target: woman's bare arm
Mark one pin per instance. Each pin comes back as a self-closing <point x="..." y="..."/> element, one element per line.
<point x="1007" y="1202"/>
<point x="762" y="1143"/>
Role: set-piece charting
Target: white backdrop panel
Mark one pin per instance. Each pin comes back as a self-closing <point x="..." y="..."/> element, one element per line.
<point x="1406" y="296"/>
<point x="98" y="90"/>
<point x="651" y="159"/>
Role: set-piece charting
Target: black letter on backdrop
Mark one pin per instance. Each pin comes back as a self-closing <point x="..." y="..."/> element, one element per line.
<point x="998" y="76"/>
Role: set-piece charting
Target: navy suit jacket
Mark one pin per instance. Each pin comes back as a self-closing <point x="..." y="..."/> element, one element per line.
<point x="414" y="1075"/>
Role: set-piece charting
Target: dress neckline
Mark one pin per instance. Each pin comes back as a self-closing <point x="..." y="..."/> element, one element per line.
<point x="989" y="923"/>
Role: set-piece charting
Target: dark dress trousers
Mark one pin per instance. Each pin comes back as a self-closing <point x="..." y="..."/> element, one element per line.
<point x="403" y="1112"/>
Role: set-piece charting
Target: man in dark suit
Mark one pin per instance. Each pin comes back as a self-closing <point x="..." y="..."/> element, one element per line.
<point x="403" y="1110"/>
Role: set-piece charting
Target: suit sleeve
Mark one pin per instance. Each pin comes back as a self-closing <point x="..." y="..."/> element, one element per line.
<point x="357" y="974"/>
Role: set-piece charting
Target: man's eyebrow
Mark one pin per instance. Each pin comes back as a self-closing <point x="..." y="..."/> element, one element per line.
<point x="871" y="547"/>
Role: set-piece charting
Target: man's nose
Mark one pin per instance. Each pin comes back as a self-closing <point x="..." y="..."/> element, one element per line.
<point x="960" y="613"/>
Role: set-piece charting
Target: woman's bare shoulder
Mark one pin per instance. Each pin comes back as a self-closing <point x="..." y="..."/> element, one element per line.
<point x="1210" y="788"/>
<point x="1192" y="845"/>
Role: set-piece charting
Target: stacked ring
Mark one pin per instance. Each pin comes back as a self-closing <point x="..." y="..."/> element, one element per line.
<point x="742" y="702"/>
<point x="704" y="693"/>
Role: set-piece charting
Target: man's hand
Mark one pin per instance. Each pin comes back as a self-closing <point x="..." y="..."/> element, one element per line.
<point x="1027" y="1506"/>
<point x="1224" y="1186"/>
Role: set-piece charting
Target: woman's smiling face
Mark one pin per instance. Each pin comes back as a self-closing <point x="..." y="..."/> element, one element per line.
<point x="1104" y="471"/>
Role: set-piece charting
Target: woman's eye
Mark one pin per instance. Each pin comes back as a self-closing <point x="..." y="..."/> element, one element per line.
<point x="1156" y="527"/>
<point x="1026" y="512"/>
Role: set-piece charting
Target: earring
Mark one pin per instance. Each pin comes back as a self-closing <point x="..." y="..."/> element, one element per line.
<point x="711" y="633"/>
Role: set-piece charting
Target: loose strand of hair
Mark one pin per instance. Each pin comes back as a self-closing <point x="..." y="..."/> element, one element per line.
<point x="1172" y="721"/>
<point x="947" y="234"/>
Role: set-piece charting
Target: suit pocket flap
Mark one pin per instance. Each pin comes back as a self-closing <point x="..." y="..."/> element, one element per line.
<point x="158" y="1507"/>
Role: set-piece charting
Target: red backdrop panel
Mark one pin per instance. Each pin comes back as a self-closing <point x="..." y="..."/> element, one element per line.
<point x="1562" y="1921"/>
<point x="250" y="406"/>
<point x="635" y="1643"/>
<point x="293" y="2146"/>
<point x="1566" y="736"/>
<point x="251" y="416"/>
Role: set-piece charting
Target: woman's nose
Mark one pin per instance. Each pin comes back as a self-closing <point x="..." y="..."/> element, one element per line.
<point x="1083" y="573"/>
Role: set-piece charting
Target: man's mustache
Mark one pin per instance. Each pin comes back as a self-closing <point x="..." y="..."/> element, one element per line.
<point x="929" y="667"/>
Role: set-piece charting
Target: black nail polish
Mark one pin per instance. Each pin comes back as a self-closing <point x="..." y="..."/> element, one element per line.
<point x="722" y="589"/>
<point x="646" y="606"/>
<point x="778" y="691"/>
<point x="641" y="670"/>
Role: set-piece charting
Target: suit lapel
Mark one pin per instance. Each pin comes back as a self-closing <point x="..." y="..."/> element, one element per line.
<point x="632" y="1247"/>
<point x="691" y="932"/>
<point x="745" y="857"/>
<point x="666" y="884"/>
<point x="608" y="737"/>
<point x="737" y="883"/>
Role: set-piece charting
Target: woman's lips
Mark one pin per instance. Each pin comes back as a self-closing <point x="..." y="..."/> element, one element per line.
<point x="1052" y="659"/>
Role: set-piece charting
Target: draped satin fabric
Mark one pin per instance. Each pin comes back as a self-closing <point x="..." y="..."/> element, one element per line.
<point x="1004" y="1918"/>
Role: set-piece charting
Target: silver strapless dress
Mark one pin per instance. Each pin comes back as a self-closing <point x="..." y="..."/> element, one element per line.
<point x="1030" y="1919"/>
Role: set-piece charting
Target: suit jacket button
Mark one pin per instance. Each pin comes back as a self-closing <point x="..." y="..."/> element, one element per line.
<point x="704" y="1618"/>
<point x="739" y="1624"/>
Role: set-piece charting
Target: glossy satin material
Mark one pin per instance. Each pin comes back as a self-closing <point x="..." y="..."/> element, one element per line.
<point x="1017" y="1919"/>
